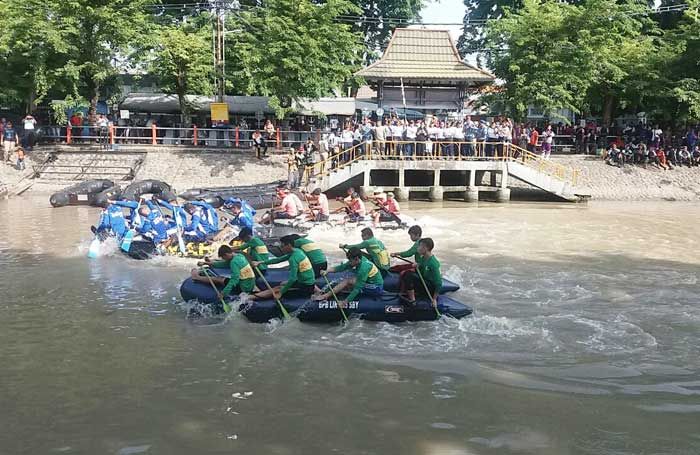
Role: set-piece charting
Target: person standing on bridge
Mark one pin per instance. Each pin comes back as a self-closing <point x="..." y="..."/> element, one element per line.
<point x="547" y="142"/>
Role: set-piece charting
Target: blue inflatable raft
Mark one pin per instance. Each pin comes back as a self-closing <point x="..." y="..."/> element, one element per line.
<point x="387" y="308"/>
<point x="191" y="290"/>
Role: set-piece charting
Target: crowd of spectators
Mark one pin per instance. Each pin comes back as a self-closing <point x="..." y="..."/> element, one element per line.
<point x="654" y="147"/>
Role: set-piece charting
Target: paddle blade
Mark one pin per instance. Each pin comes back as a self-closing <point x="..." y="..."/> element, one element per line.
<point x="94" y="249"/>
<point x="126" y="241"/>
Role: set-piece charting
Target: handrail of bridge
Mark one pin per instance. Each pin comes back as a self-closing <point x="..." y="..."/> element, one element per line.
<point x="442" y="151"/>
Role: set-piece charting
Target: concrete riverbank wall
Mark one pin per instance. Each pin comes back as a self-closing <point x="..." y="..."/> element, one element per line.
<point x="187" y="168"/>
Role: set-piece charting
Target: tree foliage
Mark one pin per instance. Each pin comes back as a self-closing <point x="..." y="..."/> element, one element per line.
<point x="292" y="49"/>
<point x="379" y="18"/>
<point x="182" y="62"/>
<point x="594" y="57"/>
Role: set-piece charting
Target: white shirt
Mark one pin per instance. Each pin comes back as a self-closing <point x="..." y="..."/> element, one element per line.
<point x="411" y="132"/>
<point x="347" y="137"/>
<point x="29" y="123"/>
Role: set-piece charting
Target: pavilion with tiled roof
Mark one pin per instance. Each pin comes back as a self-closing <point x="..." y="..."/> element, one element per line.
<point x="433" y="74"/>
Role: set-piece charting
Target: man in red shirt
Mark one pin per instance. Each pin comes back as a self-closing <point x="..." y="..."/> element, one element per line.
<point x="287" y="208"/>
<point x="534" y="138"/>
<point x="356" y="208"/>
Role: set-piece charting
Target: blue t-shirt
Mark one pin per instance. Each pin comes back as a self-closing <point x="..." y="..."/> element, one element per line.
<point x="9" y="134"/>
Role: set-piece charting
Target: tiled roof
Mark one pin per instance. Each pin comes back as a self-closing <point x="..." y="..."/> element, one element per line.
<point x="424" y="55"/>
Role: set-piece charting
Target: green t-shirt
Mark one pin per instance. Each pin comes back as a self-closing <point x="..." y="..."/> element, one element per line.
<point x="300" y="270"/>
<point x="310" y="249"/>
<point x="413" y="251"/>
<point x="241" y="272"/>
<point x="377" y="251"/>
<point x="257" y="250"/>
<point x="430" y="270"/>
<point x="366" y="272"/>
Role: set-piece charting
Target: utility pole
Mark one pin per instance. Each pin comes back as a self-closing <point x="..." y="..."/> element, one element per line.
<point x="219" y="50"/>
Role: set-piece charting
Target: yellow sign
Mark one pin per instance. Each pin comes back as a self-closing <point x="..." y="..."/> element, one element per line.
<point x="219" y="112"/>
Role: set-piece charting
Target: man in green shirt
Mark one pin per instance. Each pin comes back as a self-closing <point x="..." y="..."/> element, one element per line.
<point x="376" y="250"/>
<point x="256" y="248"/>
<point x="242" y="277"/>
<point x="301" y="280"/>
<point x="367" y="279"/>
<point x="310" y="249"/>
<point x="427" y="274"/>
<point x="415" y="233"/>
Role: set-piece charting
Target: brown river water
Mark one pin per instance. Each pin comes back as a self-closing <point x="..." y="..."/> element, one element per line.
<point x="585" y="340"/>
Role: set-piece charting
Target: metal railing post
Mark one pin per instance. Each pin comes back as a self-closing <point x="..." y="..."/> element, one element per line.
<point x="194" y="135"/>
<point x="111" y="134"/>
<point x="237" y="137"/>
<point x="154" y="136"/>
<point x="69" y="133"/>
<point x="279" y="138"/>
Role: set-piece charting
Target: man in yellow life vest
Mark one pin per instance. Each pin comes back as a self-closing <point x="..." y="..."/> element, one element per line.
<point x="376" y="250"/>
<point x="301" y="281"/>
<point x="242" y="278"/>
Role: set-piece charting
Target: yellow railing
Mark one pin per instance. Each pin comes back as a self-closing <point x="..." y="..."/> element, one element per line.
<point x="440" y="150"/>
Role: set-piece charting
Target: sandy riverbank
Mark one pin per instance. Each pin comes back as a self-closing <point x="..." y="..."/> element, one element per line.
<point x="634" y="183"/>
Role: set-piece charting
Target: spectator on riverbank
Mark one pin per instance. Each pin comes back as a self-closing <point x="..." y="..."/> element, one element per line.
<point x="260" y="144"/>
<point x="10" y="138"/>
<point x="29" y="132"/>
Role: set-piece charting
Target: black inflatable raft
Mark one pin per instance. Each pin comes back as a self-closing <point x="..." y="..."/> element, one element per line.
<point x="203" y="292"/>
<point x="82" y="193"/>
<point x="387" y="308"/>
<point x="157" y="187"/>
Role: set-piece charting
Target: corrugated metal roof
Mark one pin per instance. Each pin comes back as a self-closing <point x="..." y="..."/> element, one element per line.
<point x="423" y="54"/>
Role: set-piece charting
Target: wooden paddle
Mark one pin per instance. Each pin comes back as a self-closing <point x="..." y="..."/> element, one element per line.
<point x="285" y="314"/>
<point x="337" y="302"/>
<point x="227" y="307"/>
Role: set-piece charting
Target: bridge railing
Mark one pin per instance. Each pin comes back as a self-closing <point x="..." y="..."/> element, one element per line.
<point x="439" y="151"/>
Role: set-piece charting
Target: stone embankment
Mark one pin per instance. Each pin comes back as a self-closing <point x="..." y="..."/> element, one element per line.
<point x="634" y="182"/>
<point x="186" y="169"/>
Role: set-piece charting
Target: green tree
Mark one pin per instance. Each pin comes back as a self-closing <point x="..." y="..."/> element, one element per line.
<point x="588" y="57"/>
<point x="681" y="75"/>
<point x="535" y="51"/>
<point x="378" y="19"/>
<point x="291" y="49"/>
<point x="182" y="62"/>
<point x="34" y="52"/>
<point x="109" y="36"/>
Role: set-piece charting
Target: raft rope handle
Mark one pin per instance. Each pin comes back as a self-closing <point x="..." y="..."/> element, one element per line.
<point x="285" y="314"/>
<point x="337" y="302"/>
<point x="227" y="307"/>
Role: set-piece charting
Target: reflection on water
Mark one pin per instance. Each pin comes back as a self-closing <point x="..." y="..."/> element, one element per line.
<point x="584" y="340"/>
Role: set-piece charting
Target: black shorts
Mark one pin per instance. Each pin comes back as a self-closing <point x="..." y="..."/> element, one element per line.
<point x="282" y="216"/>
<point x="300" y="291"/>
<point x="320" y="217"/>
<point x="414" y="283"/>
<point x="318" y="267"/>
<point x="383" y="216"/>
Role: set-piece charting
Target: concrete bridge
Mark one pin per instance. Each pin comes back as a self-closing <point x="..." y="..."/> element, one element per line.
<point x="438" y="174"/>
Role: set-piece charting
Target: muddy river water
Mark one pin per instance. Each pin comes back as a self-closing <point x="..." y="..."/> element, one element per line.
<point x="585" y="340"/>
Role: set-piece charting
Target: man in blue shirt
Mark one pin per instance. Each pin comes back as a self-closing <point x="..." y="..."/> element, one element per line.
<point x="9" y="140"/>
<point x="239" y="216"/>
